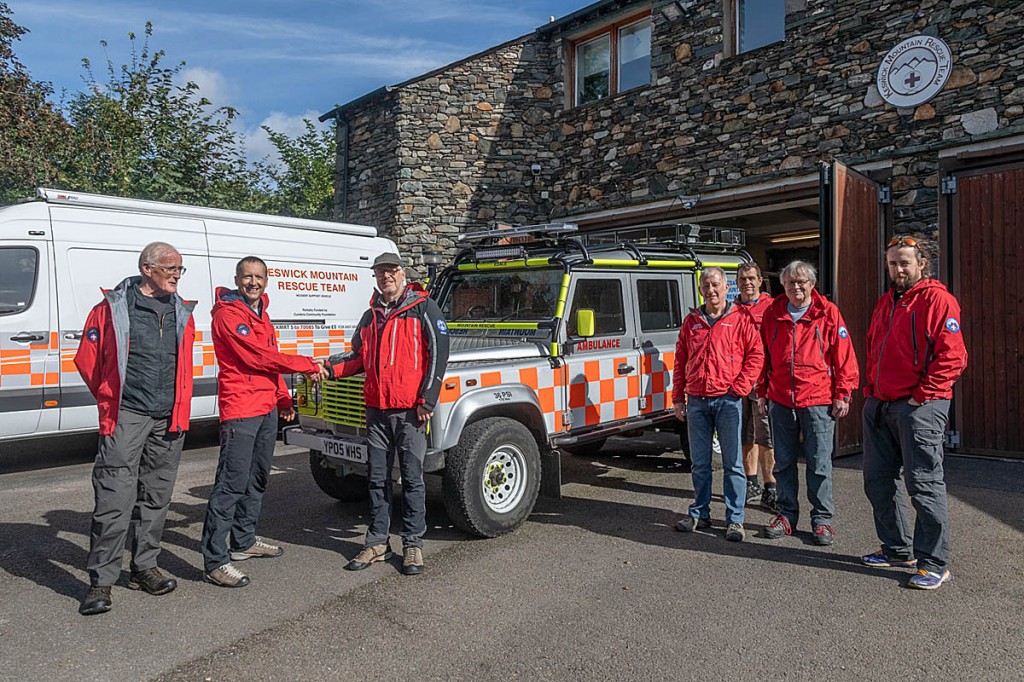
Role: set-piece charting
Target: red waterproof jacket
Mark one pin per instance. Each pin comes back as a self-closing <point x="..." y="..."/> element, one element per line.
<point x="404" y="354"/>
<point x="810" y="361"/>
<point x="714" y="360"/>
<point x="915" y="348"/>
<point x="102" y="357"/>
<point x="249" y="383"/>
<point x="757" y="308"/>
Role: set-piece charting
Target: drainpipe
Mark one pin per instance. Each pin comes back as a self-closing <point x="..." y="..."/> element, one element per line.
<point x="346" y="135"/>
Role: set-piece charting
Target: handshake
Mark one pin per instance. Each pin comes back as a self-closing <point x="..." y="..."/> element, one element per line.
<point x="321" y="372"/>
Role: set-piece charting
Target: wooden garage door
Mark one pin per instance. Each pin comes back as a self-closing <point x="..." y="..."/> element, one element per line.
<point x="851" y="275"/>
<point x="988" y="210"/>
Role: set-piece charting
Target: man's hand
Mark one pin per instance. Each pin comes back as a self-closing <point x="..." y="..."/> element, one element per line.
<point x="321" y="372"/>
<point x="287" y="415"/>
<point x="680" y="410"/>
<point x="840" y="408"/>
<point x="423" y="414"/>
<point x="762" y="407"/>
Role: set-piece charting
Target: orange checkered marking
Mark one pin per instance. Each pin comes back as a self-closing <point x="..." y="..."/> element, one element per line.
<point x="490" y="378"/>
<point x="528" y="376"/>
<point x="451" y="389"/>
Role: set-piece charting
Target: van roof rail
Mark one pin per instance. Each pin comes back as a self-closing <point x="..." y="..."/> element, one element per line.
<point x="57" y="196"/>
<point x="690" y="234"/>
<point x="519" y="233"/>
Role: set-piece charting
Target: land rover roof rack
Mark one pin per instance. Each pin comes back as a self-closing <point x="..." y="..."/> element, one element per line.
<point x="667" y="234"/>
<point x="518" y="232"/>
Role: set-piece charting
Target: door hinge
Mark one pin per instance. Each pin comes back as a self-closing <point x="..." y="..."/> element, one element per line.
<point x="567" y="418"/>
<point x="826" y="174"/>
<point x="952" y="439"/>
<point x="643" y="403"/>
<point x="884" y="194"/>
<point x="949" y="184"/>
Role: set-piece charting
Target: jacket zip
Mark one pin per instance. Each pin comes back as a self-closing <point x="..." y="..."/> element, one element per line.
<point x="792" y="366"/>
<point x="416" y="345"/>
<point x="881" y="350"/>
<point x="913" y="333"/>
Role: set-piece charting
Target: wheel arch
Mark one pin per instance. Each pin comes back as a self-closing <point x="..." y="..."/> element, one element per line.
<point x="522" y="407"/>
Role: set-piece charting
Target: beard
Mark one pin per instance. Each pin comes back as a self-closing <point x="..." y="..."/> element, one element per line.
<point x="901" y="285"/>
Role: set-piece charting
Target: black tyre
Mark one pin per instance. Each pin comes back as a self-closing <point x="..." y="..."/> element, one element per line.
<point x="492" y="477"/>
<point x="585" y="449"/>
<point x="348" y="488"/>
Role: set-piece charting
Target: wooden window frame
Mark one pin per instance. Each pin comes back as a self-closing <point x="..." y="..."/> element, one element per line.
<point x="731" y="29"/>
<point x="612" y="30"/>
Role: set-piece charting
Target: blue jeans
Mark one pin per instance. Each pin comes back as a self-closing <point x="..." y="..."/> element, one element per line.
<point x="705" y="416"/>
<point x="391" y="433"/>
<point x="806" y="430"/>
<point x="246" y="449"/>
<point x="899" y="436"/>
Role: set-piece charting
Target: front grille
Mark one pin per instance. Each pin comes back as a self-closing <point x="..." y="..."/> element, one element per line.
<point x="341" y="402"/>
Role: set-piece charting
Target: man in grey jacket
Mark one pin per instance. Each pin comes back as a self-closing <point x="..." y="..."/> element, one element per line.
<point x="136" y="358"/>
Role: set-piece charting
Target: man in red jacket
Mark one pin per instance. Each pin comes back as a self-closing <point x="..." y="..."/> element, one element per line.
<point x="251" y="396"/>
<point x="136" y="358"/>
<point x="401" y="343"/>
<point x="808" y="377"/>
<point x="758" y="448"/>
<point x="915" y="354"/>
<point x="718" y="358"/>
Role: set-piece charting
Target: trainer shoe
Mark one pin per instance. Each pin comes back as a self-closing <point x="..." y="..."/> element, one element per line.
<point x="152" y="581"/>
<point x="735" y="532"/>
<point x="412" y="560"/>
<point x="879" y="560"/>
<point x="259" y="550"/>
<point x="754" y="491"/>
<point x="824" y="535"/>
<point x="226" y="576"/>
<point x="777" y="527"/>
<point x="688" y="524"/>
<point x="769" y="500"/>
<point x="369" y="555"/>
<point x="929" y="580"/>
<point x="97" y="600"/>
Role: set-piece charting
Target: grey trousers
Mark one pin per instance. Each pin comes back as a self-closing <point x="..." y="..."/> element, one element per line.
<point x="900" y="437"/>
<point x="398" y="433"/>
<point x="133" y="479"/>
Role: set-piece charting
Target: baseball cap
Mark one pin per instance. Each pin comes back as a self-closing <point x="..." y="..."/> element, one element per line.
<point x="387" y="259"/>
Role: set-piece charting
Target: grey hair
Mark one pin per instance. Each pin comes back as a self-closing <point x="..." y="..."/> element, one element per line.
<point x="711" y="269"/>
<point x="799" y="267"/>
<point x="153" y="251"/>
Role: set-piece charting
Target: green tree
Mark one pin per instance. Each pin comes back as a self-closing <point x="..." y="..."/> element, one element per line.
<point x="301" y="184"/>
<point x="34" y="135"/>
<point x="139" y="134"/>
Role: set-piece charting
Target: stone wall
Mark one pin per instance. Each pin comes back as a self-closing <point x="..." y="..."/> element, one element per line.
<point x="468" y="134"/>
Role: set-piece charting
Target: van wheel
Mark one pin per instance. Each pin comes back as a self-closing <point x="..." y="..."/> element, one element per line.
<point x="588" y="448"/>
<point x="492" y="477"/>
<point x="347" y="488"/>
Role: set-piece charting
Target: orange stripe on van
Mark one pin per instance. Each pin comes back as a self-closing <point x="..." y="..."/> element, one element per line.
<point x="490" y="378"/>
<point x="304" y="333"/>
<point x="528" y="376"/>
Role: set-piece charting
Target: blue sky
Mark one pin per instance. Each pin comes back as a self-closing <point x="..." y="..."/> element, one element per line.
<point x="276" y="61"/>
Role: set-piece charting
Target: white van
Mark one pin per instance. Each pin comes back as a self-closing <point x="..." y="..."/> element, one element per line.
<point x="58" y="252"/>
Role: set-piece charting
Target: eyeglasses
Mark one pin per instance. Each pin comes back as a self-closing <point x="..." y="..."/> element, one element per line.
<point x="903" y="241"/>
<point x="796" y="283"/>
<point x="380" y="273"/>
<point x="170" y="269"/>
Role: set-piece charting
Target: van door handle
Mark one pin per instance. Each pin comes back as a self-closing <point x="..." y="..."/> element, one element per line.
<point x="625" y="369"/>
<point x="27" y="337"/>
<point x="73" y="336"/>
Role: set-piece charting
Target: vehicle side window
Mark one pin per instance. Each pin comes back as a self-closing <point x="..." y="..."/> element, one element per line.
<point x="604" y="297"/>
<point x="659" y="304"/>
<point x="18" y="268"/>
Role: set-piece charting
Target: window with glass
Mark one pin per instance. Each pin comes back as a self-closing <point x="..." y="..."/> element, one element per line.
<point x="604" y="297"/>
<point x="756" y="23"/>
<point x="615" y="60"/>
<point x="658" y="300"/>
<point x="501" y="295"/>
<point x="18" y="267"/>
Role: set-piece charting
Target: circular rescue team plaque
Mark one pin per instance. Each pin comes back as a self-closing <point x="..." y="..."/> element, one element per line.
<point x="914" y="71"/>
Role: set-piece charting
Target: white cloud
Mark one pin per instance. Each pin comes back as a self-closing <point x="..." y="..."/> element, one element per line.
<point x="212" y="85"/>
<point x="257" y="143"/>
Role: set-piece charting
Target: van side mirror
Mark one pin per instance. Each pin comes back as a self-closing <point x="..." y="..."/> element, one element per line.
<point x="585" y="322"/>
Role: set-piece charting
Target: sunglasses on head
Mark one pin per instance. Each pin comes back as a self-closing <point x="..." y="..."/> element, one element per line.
<point x="903" y="241"/>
